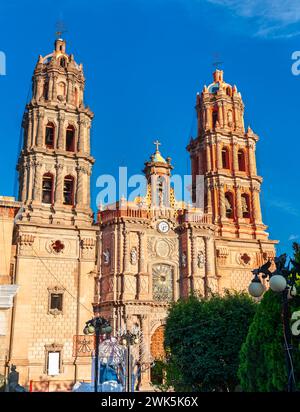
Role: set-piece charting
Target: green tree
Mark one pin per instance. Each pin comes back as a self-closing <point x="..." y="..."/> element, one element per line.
<point x="203" y="338"/>
<point x="262" y="357"/>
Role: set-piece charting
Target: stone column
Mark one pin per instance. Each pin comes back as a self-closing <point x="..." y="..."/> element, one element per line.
<point x="37" y="185"/>
<point x="222" y="201"/>
<point x="69" y="91"/>
<point x="236" y="116"/>
<point x="208" y="158"/>
<point x="50" y="90"/>
<point x="29" y="142"/>
<point x="88" y="137"/>
<point x="145" y="353"/>
<point x="61" y="131"/>
<point x="239" y="202"/>
<point x="87" y="202"/>
<point x="125" y="250"/>
<point x="40" y="131"/>
<point x="59" y="188"/>
<point x="220" y="115"/>
<point x="207" y="119"/>
<point x="224" y="115"/>
<point x="219" y="154"/>
<point x="211" y="278"/>
<point x="24" y="182"/>
<point x="81" y="135"/>
<point x="39" y="88"/>
<point x="209" y="199"/>
<point x="79" y="191"/>
<point x="197" y="282"/>
<point x="235" y="157"/>
<point x="54" y="91"/>
<point x="252" y="161"/>
<point x="256" y="205"/>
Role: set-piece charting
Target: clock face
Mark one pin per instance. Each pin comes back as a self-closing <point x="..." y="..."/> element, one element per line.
<point x="163" y="226"/>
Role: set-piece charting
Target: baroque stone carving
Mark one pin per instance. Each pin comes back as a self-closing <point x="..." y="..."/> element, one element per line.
<point x="163" y="248"/>
<point x="88" y="248"/>
<point x="133" y="256"/>
<point x="106" y="256"/>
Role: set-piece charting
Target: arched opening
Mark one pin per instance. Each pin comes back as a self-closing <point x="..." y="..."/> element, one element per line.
<point x="158" y="353"/>
<point x="228" y="91"/>
<point x="214" y="116"/>
<point x="229" y="205"/>
<point x="62" y="62"/>
<point x="245" y="205"/>
<point x="46" y="90"/>
<point x="47" y="188"/>
<point x="70" y="139"/>
<point x="69" y="190"/>
<point x="241" y="160"/>
<point x="225" y="158"/>
<point x="49" y="135"/>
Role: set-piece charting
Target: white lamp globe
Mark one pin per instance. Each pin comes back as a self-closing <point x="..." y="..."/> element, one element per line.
<point x="256" y="289"/>
<point x="277" y="283"/>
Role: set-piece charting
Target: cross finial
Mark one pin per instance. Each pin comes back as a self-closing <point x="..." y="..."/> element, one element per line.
<point x="60" y="29"/>
<point x="157" y="143"/>
<point x="216" y="61"/>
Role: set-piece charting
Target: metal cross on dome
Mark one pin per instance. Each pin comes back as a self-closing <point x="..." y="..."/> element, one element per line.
<point x="157" y="143"/>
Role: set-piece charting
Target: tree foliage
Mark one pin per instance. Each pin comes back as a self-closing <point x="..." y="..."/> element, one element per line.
<point x="203" y="338"/>
<point x="262" y="357"/>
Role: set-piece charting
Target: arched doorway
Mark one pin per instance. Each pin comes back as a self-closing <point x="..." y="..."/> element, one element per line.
<point x="158" y="354"/>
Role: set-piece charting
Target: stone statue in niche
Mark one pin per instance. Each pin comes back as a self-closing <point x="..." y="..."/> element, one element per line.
<point x="133" y="256"/>
<point x="183" y="260"/>
<point x="106" y="256"/>
<point x="200" y="259"/>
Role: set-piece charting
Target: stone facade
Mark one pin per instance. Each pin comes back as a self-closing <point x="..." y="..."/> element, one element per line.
<point x="138" y="256"/>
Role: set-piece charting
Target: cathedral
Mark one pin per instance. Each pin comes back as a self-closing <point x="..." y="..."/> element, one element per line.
<point x="60" y="264"/>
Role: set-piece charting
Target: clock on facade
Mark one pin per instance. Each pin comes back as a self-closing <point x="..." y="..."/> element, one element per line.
<point x="163" y="226"/>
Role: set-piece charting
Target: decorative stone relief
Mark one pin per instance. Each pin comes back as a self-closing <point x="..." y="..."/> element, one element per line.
<point x="88" y="248"/>
<point x="26" y="243"/>
<point x="133" y="256"/>
<point x="222" y="255"/>
<point x="163" y="248"/>
<point x="57" y="247"/>
<point x="183" y="260"/>
<point x="106" y="256"/>
<point x="200" y="259"/>
<point x="244" y="258"/>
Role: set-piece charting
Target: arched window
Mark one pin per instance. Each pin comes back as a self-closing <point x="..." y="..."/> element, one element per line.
<point x="62" y="62"/>
<point x="47" y="195"/>
<point x="228" y="91"/>
<point x="229" y="205"/>
<point x="46" y="90"/>
<point x="245" y="205"/>
<point x="215" y="116"/>
<point x="225" y="158"/>
<point x="70" y="139"/>
<point x="241" y="160"/>
<point x="69" y="190"/>
<point x="49" y="136"/>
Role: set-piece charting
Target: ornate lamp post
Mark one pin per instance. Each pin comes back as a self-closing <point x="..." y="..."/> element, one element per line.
<point x="127" y="340"/>
<point x="97" y="326"/>
<point x="283" y="281"/>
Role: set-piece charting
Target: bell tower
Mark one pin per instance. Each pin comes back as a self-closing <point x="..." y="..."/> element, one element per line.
<point x="55" y="162"/>
<point x="225" y="154"/>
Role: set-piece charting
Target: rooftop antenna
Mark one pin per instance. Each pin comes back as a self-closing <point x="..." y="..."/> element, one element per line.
<point x="60" y="29"/>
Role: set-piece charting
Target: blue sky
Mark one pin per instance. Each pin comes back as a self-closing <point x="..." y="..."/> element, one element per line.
<point x="144" y="61"/>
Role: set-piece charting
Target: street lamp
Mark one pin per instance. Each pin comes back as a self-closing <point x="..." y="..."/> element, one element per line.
<point x="283" y="281"/>
<point x="128" y="339"/>
<point x="97" y="326"/>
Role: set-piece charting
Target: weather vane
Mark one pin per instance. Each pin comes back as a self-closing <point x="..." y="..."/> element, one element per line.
<point x="217" y="63"/>
<point x="60" y="29"/>
<point x="157" y="143"/>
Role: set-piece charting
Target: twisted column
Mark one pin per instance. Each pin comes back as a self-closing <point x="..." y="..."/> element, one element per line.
<point x="59" y="184"/>
<point x="79" y="191"/>
<point x="37" y="181"/>
<point x="29" y="131"/>
<point x="61" y="120"/>
<point x="24" y="182"/>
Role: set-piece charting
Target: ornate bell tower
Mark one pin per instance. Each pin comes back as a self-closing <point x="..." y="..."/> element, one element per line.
<point x="224" y="153"/>
<point x="55" y="162"/>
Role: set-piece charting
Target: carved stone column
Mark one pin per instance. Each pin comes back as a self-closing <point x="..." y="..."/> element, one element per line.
<point x="224" y="115"/>
<point x="61" y="132"/>
<point x="252" y="161"/>
<point x="29" y="131"/>
<point x="24" y="182"/>
<point x="207" y="119"/>
<point x="50" y="89"/>
<point x="79" y="191"/>
<point x="211" y="278"/>
<point x="256" y="205"/>
<point x="219" y="153"/>
<point x="220" y="115"/>
<point x="81" y="135"/>
<point x="125" y="250"/>
<point x="208" y="158"/>
<point x="209" y="199"/>
<point x="40" y="131"/>
<point x="87" y="201"/>
<point x="145" y="353"/>
<point x="197" y="281"/>
<point x="54" y="91"/>
<point x="37" y="186"/>
<point x="69" y="91"/>
<point x="239" y="202"/>
<point x="222" y="200"/>
<point x="235" y="157"/>
<point x="59" y="184"/>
